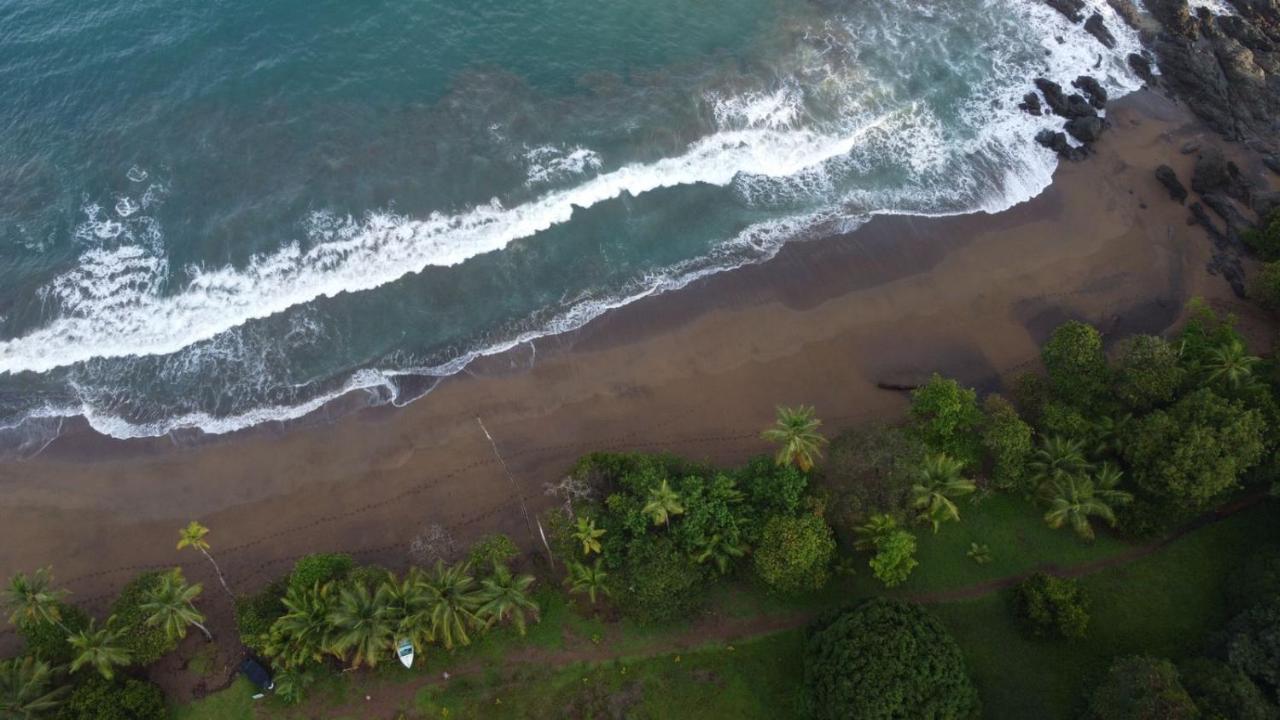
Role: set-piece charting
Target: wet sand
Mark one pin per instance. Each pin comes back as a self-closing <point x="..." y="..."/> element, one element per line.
<point x="696" y="372"/>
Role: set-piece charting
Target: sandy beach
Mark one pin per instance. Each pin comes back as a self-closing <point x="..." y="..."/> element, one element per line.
<point x="696" y="372"/>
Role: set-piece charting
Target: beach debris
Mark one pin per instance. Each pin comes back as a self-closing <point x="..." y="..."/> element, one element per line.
<point x="1169" y="179"/>
<point x="435" y="542"/>
<point x="570" y="489"/>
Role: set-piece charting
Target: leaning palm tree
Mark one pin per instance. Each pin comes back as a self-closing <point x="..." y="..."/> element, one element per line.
<point x="192" y="536"/>
<point x="874" y="530"/>
<point x="720" y="551"/>
<point x="1230" y="366"/>
<point x="100" y="648"/>
<point x="940" y="483"/>
<point x="1074" y="499"/>
<point x="505" y="594"/>
<point x="454" y="604"/>
<point x="170" y="604"/>
<point x="1057" y="458"/>
<point x="589" y="535"/>
<point x="590" y="580"/>
<point x="27" y="689"/>
<point x="409" y="602"/>
<point x="796" y="434"/>
<point x="303" y="633"/>
<point x="663" y="502"/>
<point x="31" y="599"/>
<point x="362" y="625"/>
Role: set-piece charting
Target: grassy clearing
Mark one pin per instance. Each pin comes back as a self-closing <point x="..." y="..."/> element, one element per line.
<point x="234" y="703"/>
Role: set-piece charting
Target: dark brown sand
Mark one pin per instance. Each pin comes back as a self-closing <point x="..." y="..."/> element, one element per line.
<point x="696" y="372"/>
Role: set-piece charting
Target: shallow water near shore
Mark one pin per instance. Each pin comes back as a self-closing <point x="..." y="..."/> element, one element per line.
<point x="215" y="217"/>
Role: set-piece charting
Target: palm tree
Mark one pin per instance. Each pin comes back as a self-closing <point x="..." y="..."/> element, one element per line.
<point x="589" y="535"/>
<point x="31" y="599"/>
<point x="663" y="503"/>
<point x="100" y="648"/>
<point x="303" y="633"/>
<point x="454" y="603"/>
<point x="169" y="604"/>
<point x="1074" y="499"/>
<point x="940" y="483"/>
<point x="876" y="528"/>
<point x="505" y="594"/>
<point x="1106" y="433"/>
<point x="1230" y="365"/>
<point x="1057" y="458"/>
<point x="27" y="689"/>
<point x="193" y="536"/>
<point x="409" y="602"/>
<point x="720" y="550"/>
<point x="589" y="579"/>
<point x="796" y="433"/>
<point x="361" y="624"/>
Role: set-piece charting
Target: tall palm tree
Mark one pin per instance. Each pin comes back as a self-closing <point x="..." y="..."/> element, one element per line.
<point x="588" y="579"/>
<point x="796" y="433"/>
<point x="101" y="648"/>
<point x="719" y="550"/>
<point x="871" y="532"/>
<point x="505" y="594"/>
<point x="27" y="689"/>
<point x="589" y="535"/>
<point x="170" y="604"/>
<point x="1105" y="434"/>
<point x="940" y="483"/>
<point x="1074" y="499"/>
<point x="410" y="602"/>
<point x="303" y="633"/>
<point x="1057" y="458"/>
<point x="454" y="604"/>
<point x="663" y="503"/>
<point x="1230" y="366"/>
<point x="362" y="624"/>
<point x="192" y="536"/>
<point x="33" y="599"/>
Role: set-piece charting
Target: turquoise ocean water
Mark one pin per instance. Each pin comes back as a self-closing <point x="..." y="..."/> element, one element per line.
<point x="215" y="214"/>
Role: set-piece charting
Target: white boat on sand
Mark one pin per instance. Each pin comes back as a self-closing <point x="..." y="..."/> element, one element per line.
<point x="405" y="652"/>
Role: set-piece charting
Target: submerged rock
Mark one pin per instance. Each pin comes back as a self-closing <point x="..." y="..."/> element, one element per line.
<point x="1093" y="90"/>
<point x="1169" y="179"/>
<point x="1031" y="104"/>
<point x="1097" y="28"/>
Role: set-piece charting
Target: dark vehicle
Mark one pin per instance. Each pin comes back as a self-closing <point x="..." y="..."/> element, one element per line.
<point x="259" y="676"/>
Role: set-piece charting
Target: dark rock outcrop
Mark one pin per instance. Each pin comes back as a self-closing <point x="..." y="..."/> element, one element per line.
<point x="1057" y="142"/>
<point x="1236" y="221"/>
<point x="1073" y="9"/>
<point x="1097" y="28"/>
<point x="1127" y="12"/>
<point x="1031" y="104"/>
<point x="1214" y="173"/>
<point x="1078" y="107"/>
<point x="1142" y="68"/>
<point x="1169" y="179"/>
<point x="1272" y="162"/>
<point x="1053" y="96"/>
<point x="1085" y="129"/>
<point x="1092" y="89"/>
<point x="1265" y="203"/>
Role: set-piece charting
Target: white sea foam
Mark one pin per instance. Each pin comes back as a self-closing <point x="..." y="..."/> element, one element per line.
<point x="548" y="164"/>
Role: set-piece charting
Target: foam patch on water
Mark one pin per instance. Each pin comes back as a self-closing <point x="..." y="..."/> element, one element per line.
<point x="548" y="164"/>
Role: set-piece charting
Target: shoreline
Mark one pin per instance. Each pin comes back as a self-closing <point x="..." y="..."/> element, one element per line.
<point x="697" y="371"/>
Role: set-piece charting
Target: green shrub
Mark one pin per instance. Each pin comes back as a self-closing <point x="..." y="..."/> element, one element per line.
<point x="1142" y="688"/>
<point x="895" y="557"/>
<point x="1007" y="440"/>
<point x="1265" y="288"/>
<point x="490" y="549"/>
<point x="255" y="614"/>
<point x="795" y="553"/>
<point x="1076" y="364"/>
<point x="371" y="576"/>
<point x="1063" y="420"/>
<point x="1196" y="450"/>
<point x="1149" y="373"/>
<point x="770" y="488"/>
<point x="47" y="641"/>
<point x="886" y="659"/>
<point x="145" y="643"/>
<point x="1265" y="239"/>
<point x="660" y="583"/>
<point x="320" y="568"/>
<point x="1205" y="332"/>
<point x="1049" y="606"/>
<point x="1224" y="693"/>
<point x="125" y="698"/>
<point x="946" y="418"/>
<point x="1253" y="643"/>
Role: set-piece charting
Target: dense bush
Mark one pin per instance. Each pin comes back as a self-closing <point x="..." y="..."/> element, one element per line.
<point x="886" y="659"/>
<point x="1265" y="288"/>
<point x="895" y="557"/>
<point x="256" y="613"/>
<point x="122" y="699"/>
<point x="795" y="553"/>
<point x="1150" y="372"/>
<point x="946" y="418"/>
<point x="1142" y="688"/>
<point x="490" y="549"/>
<point x="1007" y="440"/>
<point x="871" y="471"/>
<point x="320" y="568"/>
<point x="1077" y="366"/>
<point x="660" y="583"/>
<point x="145" y="643"/>
<point x="1049" y="605"/>
<point x="1058" y="419"/>
<point x="1223" y="693"/>
<point x="770" y="488"/>
<point x="1253" y="643"/>
<point x="48" y="641"/>
<point x="1196" y="450"/>
<point x="1265" y="239"/>
<point x="1205" y="332"/>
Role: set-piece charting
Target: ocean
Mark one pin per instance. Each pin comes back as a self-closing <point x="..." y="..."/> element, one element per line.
<point x="219" y="214"/>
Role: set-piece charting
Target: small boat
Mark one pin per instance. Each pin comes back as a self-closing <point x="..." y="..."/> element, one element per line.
<point x="405" y="652"/>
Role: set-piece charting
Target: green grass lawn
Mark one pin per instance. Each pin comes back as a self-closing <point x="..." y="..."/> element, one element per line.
<point x="234" y="703"/>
